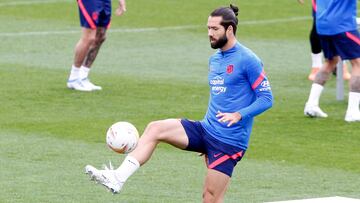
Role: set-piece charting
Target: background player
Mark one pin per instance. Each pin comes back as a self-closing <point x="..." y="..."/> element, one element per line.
<point x="239" y="90"/>
<point x="337" y="28"/>
<point x="316" y="50"/>
<point x="95" y="17"/>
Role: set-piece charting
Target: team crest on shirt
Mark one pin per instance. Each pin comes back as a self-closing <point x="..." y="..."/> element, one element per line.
<point x="229" y="69"/>
<point x="95" y="15"/>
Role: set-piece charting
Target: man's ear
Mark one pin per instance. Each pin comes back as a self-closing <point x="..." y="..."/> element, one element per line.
<point x="230" y="29"/>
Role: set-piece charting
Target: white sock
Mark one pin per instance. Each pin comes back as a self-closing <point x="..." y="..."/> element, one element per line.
<point x="127" y="168"/>
<point x="353" y="103"/>
<point x="84" y="72"/>
<point x="74" y="73"/>
<point x="316" y="60"/>
<point x="315" y="94"/>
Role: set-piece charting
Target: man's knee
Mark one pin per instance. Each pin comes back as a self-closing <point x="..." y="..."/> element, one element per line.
<point x="154" y="129"/>
<point x="355" y="63"/>
<point x="162" y="130"/>
<point x="321" y="77"/>
<point x="100" y="38"/>
<point x="209" y="196"/>
<point x="88" y="39"/>
<point x="331" y="64"/>
<point x="100" y="35"/>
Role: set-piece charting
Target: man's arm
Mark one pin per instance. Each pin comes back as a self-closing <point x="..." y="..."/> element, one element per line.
<point x="262" y="89"/>
<point x="228" y="117"/>
<point x="121" y="9"/>
<point x="264" y="101"/>
<point x="263" y="93"/>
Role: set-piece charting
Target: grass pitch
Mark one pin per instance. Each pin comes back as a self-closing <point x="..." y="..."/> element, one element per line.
<point x="154" y="66"/>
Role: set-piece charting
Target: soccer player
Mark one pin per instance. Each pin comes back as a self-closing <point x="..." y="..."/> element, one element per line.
<point x="239" y="90"/>
<point x="95" y="16"/>
<point x="337" y="28"/>
<point x="315" y="44"/>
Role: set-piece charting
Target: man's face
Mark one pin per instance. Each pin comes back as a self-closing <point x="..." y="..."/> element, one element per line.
<point x="216" y="32"/>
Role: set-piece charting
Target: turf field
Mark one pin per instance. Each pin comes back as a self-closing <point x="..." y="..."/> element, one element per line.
<point x="154" y="66"/>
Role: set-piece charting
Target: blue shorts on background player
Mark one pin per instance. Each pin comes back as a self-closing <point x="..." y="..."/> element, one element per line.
<point x="337" y="29"/>
<point x="95" y="17"/>
<point x="94" y="13"/>
<point x="316" y="49"/>
<point x="239" y="91"/>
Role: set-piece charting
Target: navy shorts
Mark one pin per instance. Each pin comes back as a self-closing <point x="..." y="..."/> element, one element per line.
<point x="219" y="156"/>
<point x="94" y="13"/>
<point x="346" y="45"/>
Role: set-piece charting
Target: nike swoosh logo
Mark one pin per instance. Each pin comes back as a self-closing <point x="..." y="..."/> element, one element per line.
<point x="216" y="155"/>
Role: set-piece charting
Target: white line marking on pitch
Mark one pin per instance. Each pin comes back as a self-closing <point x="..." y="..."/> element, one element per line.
<point x="335" y="199"/>
<point x="19" y="3"/>
<point x="152" y="29"/>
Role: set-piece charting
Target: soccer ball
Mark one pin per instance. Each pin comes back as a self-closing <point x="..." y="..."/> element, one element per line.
<point x="122" y="137"/>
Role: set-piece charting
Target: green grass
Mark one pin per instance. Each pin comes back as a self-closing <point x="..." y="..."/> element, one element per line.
<point x="49" y="133"/>
<point x="52" y="172"/>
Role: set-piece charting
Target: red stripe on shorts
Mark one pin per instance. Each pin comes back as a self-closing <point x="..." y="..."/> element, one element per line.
<point x="86" y="14"/>
<point x="224" y="158"/>
<point x="314" y="5"/>
<point x="353" y="37"/>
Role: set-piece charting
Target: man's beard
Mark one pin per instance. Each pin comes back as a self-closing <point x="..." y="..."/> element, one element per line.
<point x="219" y="43"/>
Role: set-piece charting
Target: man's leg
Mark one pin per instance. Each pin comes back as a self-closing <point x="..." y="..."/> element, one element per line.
<point x="316" y="54"/>
<point x="355" y="75"/>
<point x="346" y="73"/>
<point x="326" y="70"/>
<point x="353" y="112"/>
<point x="81" y="49"/>
<point x="93" y="50"/>
<point x="91" y="56"/>
<point x="169" y="131"/>
<point x="312" y="108"/>
<point x="316" y="63"/>
<point x="215" y="186"/>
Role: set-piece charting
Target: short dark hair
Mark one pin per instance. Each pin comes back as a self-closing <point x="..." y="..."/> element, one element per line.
<point x="228" y="15"/>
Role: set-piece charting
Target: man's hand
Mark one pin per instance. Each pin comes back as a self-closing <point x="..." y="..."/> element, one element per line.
<point x="121" y="9"/>
<point x="228" y="117"/>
